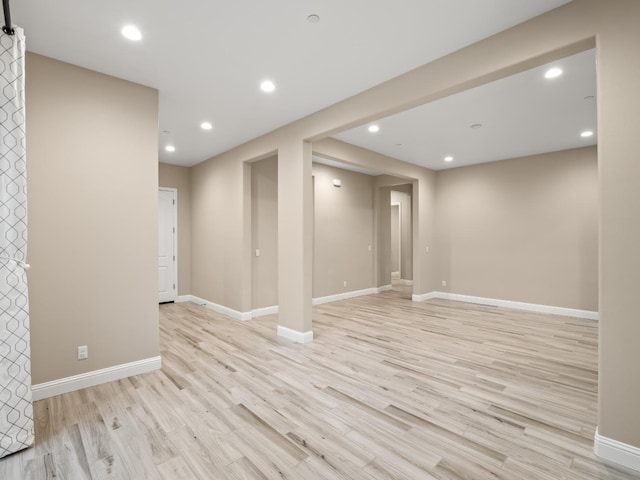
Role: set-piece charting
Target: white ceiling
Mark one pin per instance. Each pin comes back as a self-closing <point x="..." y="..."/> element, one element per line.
<point x="207" y="57"/>
<point x="525" y="114"/>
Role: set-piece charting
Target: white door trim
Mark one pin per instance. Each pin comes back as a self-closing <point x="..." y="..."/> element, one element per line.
<point x="175" y="236"/>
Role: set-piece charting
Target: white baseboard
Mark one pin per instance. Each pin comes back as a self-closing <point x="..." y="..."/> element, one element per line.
<point x="531" y="307"/>
<point x="343" y="296"/>
<point x="96" y="377"/>
<point x="299" y="337"/>
<point x="230" y="312"/>
<point x="425" y="296"/>
<point x="616" y="452"/>
<point x="261" y="312"/>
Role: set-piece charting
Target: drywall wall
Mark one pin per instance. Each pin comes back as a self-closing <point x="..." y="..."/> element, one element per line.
<point x="382" y="266"/>
<point x="618" y="67"/>
<point x="92" y="173"/>
<point x="397" y="175"/>
<point x="401" y="195"/>
<point x="395" y="237"/>
<point x="295" y="239"/>
<point x="178" y="177"/>
<point x="264" y="232"/>
<point x="343" y="231"/>
<point x="217" y="234"/>
<point x="524" y="230"/>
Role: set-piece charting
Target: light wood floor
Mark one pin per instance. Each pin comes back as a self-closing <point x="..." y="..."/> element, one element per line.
<point x="389" y="389"/>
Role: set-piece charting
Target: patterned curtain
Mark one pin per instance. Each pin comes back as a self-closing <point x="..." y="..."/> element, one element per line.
<point x="16" y="410"/>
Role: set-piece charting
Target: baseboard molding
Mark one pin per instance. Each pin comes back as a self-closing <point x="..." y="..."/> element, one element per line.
<point x="299" y="337"/>
<point x="424" y="297"/>
<point x="616" y="452"/>
<point x="96" y="377"/>
<point x="344" y="296"/>
<point x="530" y="307"/>
<point x="402" y="281"/>
<point x="229" y="312"/>
<point x="261" y="312"/>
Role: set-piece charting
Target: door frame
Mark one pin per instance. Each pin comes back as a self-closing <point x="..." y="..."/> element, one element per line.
<point x="174" y="191"/>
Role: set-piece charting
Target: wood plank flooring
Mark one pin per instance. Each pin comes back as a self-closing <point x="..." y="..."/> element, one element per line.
<point x="389" y="389"/>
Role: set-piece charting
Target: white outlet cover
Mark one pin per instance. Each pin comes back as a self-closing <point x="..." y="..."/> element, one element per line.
<point x="83" y="352"/>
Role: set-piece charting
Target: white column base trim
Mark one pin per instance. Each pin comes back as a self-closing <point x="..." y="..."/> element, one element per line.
<point x="229" y="312"/>
<point x="616" y="452"/>
<point x="261" y="312"/>
<point x="402" y="281"/>
<point x="531" y="307"/>
<point x="96" y="377"/>
<point x="299" y="337"/>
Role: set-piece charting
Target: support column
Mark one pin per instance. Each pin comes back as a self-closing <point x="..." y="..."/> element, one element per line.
<point x="295" y="241"/>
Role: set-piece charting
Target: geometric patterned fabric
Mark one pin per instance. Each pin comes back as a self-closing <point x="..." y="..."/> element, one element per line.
<point x="16" y="409"/>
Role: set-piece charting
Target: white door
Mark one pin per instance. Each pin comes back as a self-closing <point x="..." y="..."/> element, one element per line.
<point x="167" y="279"/>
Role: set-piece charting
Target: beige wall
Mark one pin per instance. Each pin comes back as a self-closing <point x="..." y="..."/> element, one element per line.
<point x="523" y="230"/>
<point x="382" y="267"/>
<point x="397" y="174"/>
<point x="343" y="231"/>
<point x="264" y="232"/>
<point x="618" y="66"/>
<point x="384" y="185"/>
<point x="178" y="177"/>
<point x="569" y="29"/>
<point x="92" y="176"/>
<point x="395" y="237"/>
<point x="218" y="248"/>
<point x="402" y="195"/>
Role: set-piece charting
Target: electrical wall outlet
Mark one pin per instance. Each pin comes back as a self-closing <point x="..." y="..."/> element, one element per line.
<point x="345" y="283"/>
<point x="83" y="352"/>
<point x="444" y="283"/>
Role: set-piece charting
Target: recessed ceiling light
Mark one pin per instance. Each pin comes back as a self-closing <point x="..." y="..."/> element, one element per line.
<point x="586" y="134"/>
<point x="313" y="18"/>
<point x="448" y="159"/>
<point x="553" y="72"/>
<point x="476" y="126"/>
<point x="131" y="32"/>
<point x="170" y="148"/>
<point x="267" y="86"/>
<point x="206" y="125"/>
<point x="374" y="128"/>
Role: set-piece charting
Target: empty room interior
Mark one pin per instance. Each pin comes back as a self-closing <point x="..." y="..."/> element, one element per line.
<point x="310" y="240"/>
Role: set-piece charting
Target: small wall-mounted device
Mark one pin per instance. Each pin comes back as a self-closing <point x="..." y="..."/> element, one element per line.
<point x="337" y="182"/>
